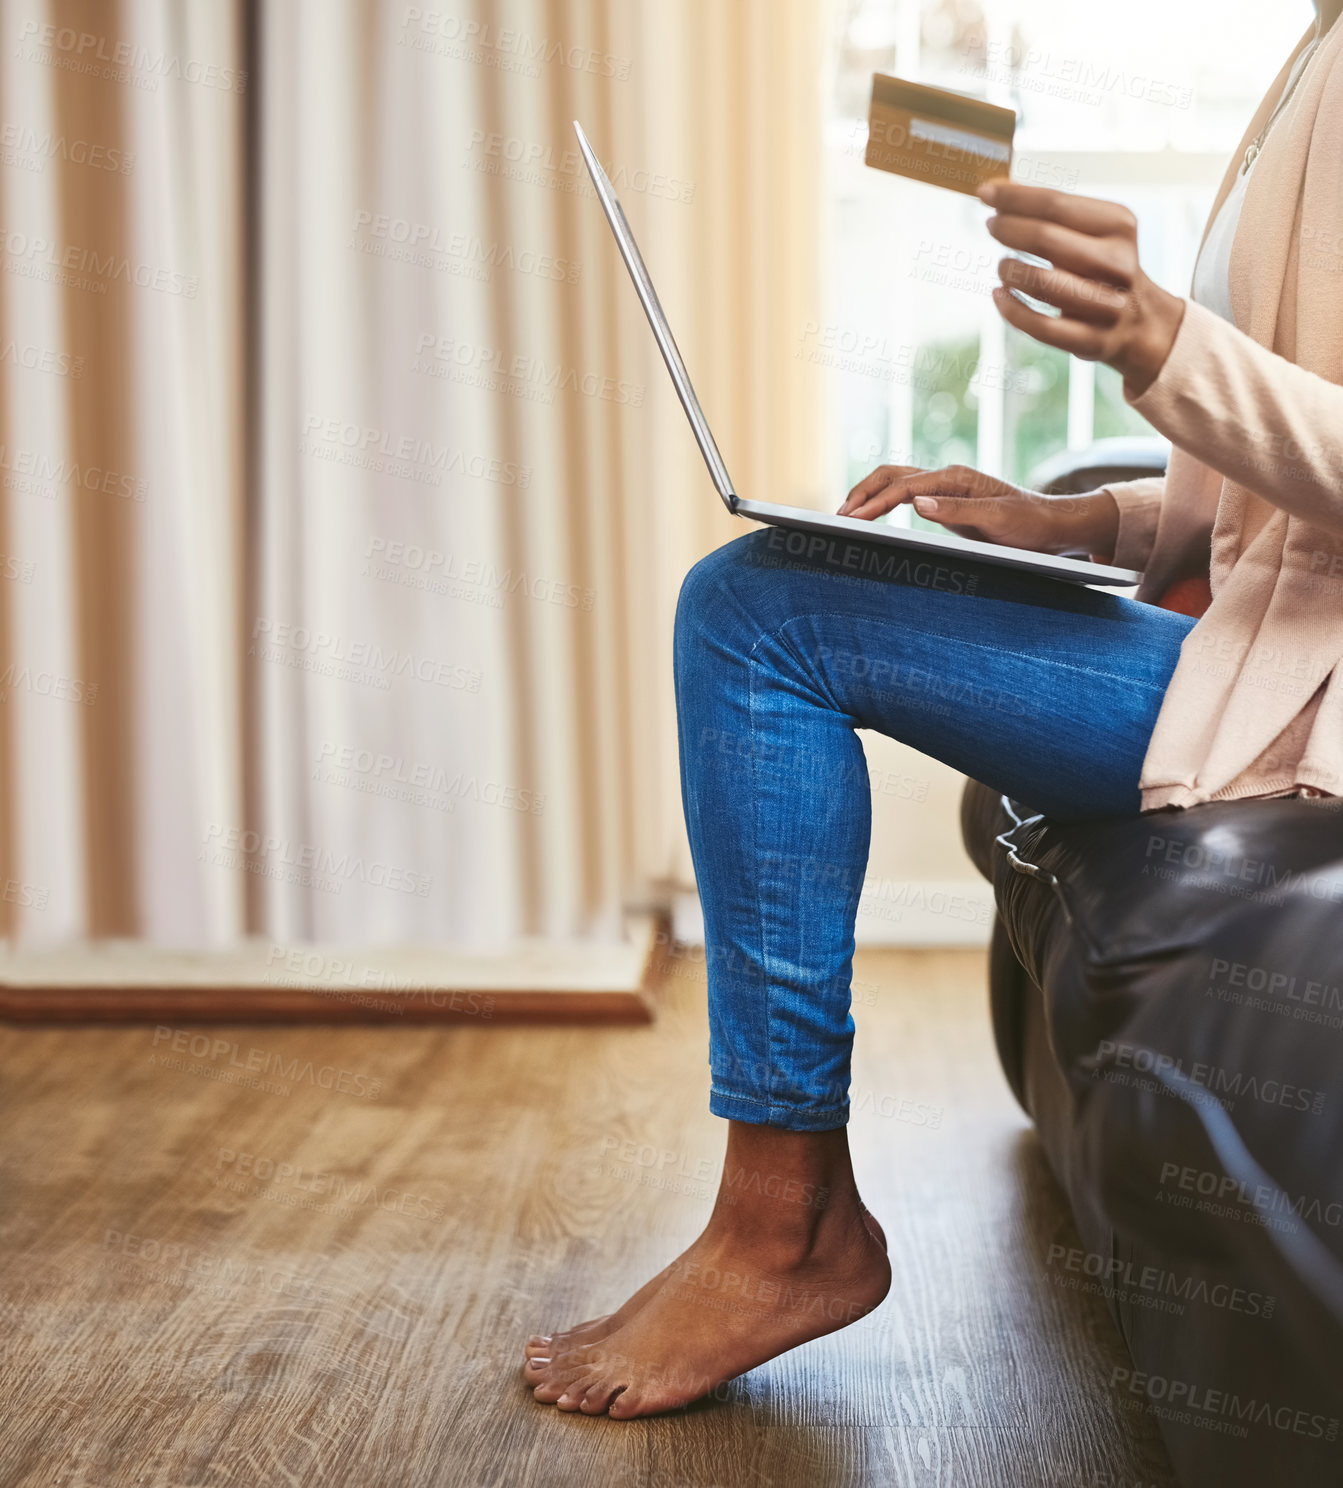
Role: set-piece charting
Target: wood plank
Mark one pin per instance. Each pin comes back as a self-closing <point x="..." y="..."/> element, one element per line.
<point x="267" y="981"/>
<point x="359" y="1317"/>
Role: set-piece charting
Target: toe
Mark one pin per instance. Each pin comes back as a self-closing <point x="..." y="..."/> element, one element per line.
<point x="598" y="1396"/>
<point x="624" y="1405"/>
<point x="564" y="1338"/>
<point x="575" y="1392"/>
<point x="555" y="1383"/>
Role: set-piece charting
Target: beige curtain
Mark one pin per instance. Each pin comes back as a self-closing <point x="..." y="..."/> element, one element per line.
<point x="380" y="626"/>
<point x="121" y="395"/>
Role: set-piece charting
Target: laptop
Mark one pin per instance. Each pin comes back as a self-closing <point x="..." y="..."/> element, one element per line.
<point x="1075" y="570"/>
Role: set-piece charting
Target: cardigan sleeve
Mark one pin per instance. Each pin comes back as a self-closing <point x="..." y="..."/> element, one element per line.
<point x="1252" y="416"/>
<point x="1139" y="502"/>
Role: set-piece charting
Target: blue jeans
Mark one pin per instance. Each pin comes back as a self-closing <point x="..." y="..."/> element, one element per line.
<point x="785" y="644"/>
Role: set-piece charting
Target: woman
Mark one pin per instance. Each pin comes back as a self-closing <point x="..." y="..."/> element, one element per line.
<point x="1081" y="703"/>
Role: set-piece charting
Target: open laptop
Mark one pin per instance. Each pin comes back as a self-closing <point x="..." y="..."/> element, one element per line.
<point x="1076" y="570"/>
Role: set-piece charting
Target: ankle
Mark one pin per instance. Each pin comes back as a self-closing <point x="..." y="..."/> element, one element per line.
<point x="785" y="1191"/>
<point x="789" y="1220"/>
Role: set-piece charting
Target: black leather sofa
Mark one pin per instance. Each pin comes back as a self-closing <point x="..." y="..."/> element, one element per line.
<point x="1167" y="1000"/>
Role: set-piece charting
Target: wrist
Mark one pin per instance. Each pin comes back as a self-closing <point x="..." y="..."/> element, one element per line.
<point x="1145" y="355"/>
<point x="1088" y="522"/>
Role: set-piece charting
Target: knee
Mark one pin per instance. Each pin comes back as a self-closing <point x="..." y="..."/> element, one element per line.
<point x="717" y="590"/>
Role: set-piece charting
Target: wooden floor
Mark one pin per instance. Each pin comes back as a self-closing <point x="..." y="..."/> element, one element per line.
<point x="328" y="1279"/>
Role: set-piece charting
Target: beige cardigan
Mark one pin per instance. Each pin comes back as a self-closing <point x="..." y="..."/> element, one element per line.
<point x="1252" y="499"/>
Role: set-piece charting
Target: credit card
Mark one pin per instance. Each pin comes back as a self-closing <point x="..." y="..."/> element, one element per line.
<point x="936" y="136"/>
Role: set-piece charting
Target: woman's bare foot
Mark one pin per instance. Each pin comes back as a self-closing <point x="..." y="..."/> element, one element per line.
<point x="789" y="1254"/>
<point x="549" y="1345"/>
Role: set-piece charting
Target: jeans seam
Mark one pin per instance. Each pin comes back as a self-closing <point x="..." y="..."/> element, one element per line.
<point x="770" y="1062"/>
<point x="1085" y="671"/>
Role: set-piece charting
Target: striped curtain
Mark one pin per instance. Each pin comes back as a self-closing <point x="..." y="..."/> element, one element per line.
<point x="343" y="499"/>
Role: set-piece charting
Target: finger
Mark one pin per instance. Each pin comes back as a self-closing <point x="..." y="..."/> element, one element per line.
<point x="977" y="516"/>
<point x="1107" y="259"/>
<point x="874" y="505"/>
<point x="1077" y="337"/>
<point x="1087" y="214"/>
<point x="870" y="485"/>
<point x="951" y="507"/>
<point x="954" y="480"/>
<point x="1083" y="299"/>
<point x="882" y="476"/>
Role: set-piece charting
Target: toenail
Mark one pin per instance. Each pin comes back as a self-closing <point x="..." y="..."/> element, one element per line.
<point x="539" y="1338"/>
<point x="536" y="1363"/>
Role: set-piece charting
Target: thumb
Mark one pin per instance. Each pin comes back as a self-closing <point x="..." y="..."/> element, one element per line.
<point x="951" y="506"/>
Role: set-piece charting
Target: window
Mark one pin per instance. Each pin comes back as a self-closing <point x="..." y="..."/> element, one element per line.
<point x="923" y="369"/>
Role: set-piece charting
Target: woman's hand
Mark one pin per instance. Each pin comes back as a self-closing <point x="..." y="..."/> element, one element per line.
<point x="990" y="510"/>
<point x="1112" y="312"/>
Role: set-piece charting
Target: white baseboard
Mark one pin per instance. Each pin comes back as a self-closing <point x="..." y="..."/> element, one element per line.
<point x="111" y="980"/>
<point x="923" y="913"/>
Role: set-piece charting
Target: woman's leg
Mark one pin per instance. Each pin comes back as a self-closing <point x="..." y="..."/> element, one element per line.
<point x="785" y="645"/>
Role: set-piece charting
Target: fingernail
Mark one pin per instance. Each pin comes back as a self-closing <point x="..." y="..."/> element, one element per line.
<point x="988" y="192"/>
<point x="925" y="503"/>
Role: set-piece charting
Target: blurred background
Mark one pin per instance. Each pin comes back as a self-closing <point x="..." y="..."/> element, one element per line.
<point x="343" y="499"/>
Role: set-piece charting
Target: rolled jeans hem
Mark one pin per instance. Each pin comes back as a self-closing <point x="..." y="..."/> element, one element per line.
<point x="735" y="1107"/>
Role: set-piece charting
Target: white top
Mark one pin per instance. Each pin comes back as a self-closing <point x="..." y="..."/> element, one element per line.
<point x="1212" y="278"/>
<point x="1212" y="272"/>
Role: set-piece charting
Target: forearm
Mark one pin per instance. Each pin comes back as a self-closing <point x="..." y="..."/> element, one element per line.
<point x="1252" y="416"/>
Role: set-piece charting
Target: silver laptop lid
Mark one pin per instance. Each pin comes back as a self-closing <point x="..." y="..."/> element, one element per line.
<point x="629" y="251"/>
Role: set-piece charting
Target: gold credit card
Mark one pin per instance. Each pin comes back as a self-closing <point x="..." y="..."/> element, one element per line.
<point x="934" y="135"/>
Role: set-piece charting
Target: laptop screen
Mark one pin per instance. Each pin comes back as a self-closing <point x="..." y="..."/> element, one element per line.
<point x="643" y="284"/>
